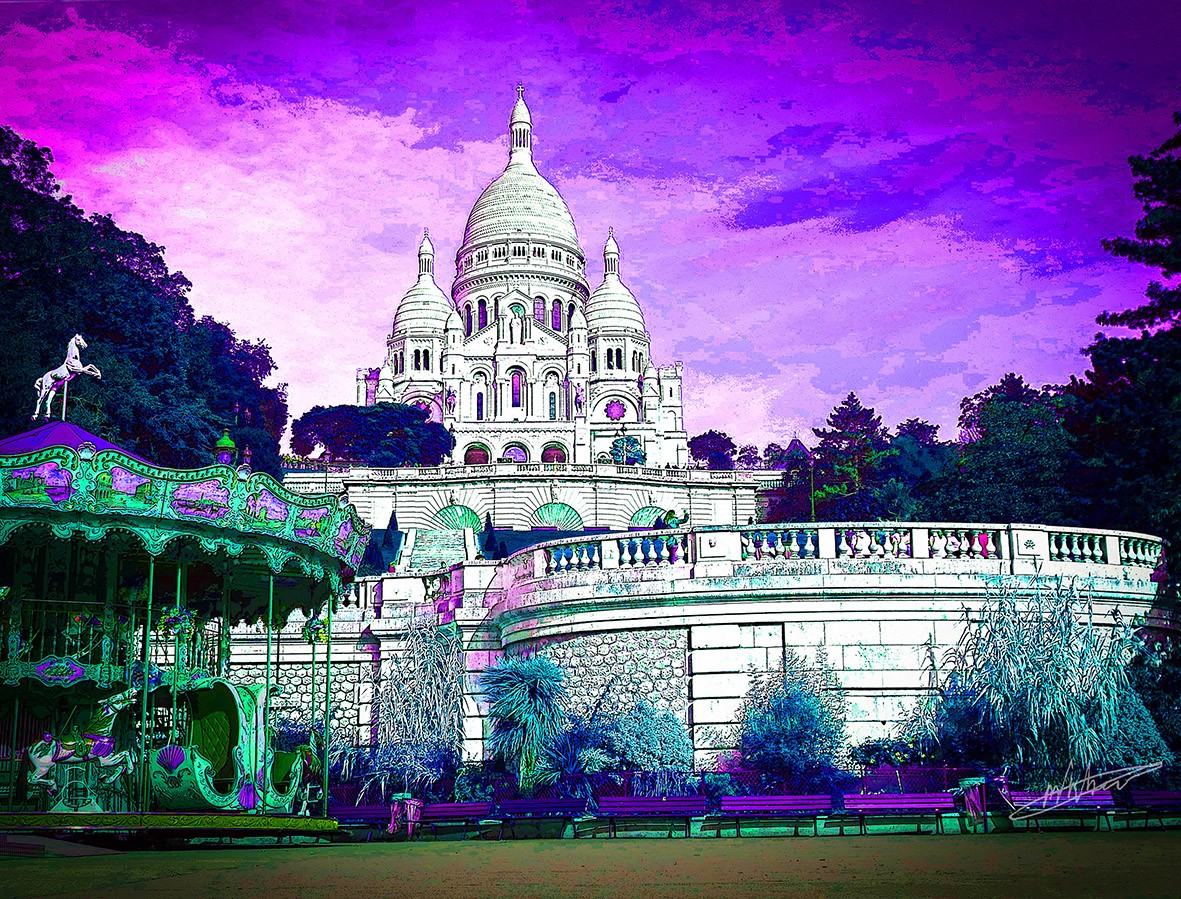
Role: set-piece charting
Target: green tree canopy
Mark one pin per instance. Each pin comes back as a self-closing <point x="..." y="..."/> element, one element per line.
<point x="713" y="448"/>
<point x="171" y="381"/>
<point x="1126" y="413"/>
<point x="1157" y="240"/>
<point x="1015" y="462"/>
<point x="386" y="435"/>
<point x="849" y="459"/>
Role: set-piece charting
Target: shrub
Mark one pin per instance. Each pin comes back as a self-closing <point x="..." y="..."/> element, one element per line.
<point x="649" y="739"/>
<point x="792" y="727"/>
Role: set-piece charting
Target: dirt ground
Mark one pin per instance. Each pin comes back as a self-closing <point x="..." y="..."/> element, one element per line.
<point x="1061" y="864"/>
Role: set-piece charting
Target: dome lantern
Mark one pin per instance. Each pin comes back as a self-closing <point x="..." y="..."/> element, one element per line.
<point x="612" y="307"/>
<point x="521" y="132"/>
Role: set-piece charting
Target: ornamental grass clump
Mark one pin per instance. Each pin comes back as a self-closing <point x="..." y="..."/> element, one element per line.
<point x="1037" y="683"/>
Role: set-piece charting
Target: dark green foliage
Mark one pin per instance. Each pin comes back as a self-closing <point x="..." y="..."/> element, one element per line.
<point x="1158" y="234"/>
<point x="170" y="381"/>
<point x="572" y="756"/>
<point x="791" y="727"/>
<point x="892" y="751"/>
<point x="527" y="709"/>
<point x="749" y="457"/>
<point x="627" y="450"/>
<point x="386" y="435"/>
<point x="1014" y="462"/>
<point x="713" y="448"/>
<point x="1157" y="680"/>
<point x="475" y="783"/>
<point x="849" y="459"/>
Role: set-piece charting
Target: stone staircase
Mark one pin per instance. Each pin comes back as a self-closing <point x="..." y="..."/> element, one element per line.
<point x="432" y="550"/>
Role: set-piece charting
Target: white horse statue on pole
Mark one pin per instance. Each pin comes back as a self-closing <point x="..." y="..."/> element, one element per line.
<point x="47" y="385"/>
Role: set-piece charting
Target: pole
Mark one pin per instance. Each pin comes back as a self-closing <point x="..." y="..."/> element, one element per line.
<point x="266" y="715"/>
<point x="176" y="638"/>
<point x="812" y="487"/>
<point x="65" y="394"/>
<point x="16" y="710"/>
<point x="327" y="701"/>
<point x="145" y="792"/>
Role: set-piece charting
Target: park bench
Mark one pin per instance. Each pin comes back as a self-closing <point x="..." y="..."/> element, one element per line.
<point x="534" y="811"/>
<point x="894" y="808"/>
<point x="648" y="808"/>
<point x="1036" y="806"/>
<point x="469" y="814"/>
<point x="1156" y="804"/>
<point x="374" y="818"/>
<point x="794" y="809"/>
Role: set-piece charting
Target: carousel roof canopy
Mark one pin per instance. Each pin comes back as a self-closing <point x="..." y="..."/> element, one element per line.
<point x="57" y="433"/>
<point x="61" y="478"/>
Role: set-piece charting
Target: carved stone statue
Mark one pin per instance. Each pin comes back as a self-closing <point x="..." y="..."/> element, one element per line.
<point x="578" y="398"/>
<point x="450" y="401"/>
<point x="48" y="384"/>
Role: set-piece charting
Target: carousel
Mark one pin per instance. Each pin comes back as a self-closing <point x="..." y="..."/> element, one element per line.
<point x="119" y="584"/>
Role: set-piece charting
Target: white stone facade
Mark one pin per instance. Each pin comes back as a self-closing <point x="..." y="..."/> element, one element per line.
<point x="523" y="361"/>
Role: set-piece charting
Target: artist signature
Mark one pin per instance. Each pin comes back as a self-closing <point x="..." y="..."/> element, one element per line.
<point x="1072" y="792"/>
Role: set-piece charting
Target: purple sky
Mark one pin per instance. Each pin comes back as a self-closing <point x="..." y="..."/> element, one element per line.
<point x="901" y="199"/>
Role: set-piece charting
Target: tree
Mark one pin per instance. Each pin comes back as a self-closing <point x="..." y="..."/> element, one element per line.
<point x="1158" y="234"/>
<point x="848" y="461"/>
<point x="386" y="435"/>
<point x="527" y="709"/>
<point x="1036" y="682"/>
<point x="915" y="460"/>
<point x="748" y="457"/>
<point x="171" y="381"/>
<point x="714" y="448"/>
<point x="1015" y="461"/>
<point x="1126" y="413"/>
<point x="791" y="727"/>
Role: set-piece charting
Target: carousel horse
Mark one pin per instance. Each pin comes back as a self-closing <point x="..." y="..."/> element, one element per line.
<point x="93" y="743"/>
<point x="47" y="385"/>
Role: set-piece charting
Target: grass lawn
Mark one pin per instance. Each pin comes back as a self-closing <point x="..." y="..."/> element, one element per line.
<point x="1056" y="864"/>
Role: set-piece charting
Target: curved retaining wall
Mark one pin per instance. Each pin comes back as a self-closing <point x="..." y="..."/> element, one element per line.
<point x="678" y="618"/>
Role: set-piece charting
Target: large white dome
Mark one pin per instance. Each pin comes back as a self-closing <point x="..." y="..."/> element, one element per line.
<point x="612" y="307"/>
<point x="425" y="308"/>
<point x="520" y="203"/>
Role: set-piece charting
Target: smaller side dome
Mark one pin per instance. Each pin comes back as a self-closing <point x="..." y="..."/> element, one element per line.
<point x="612" y="307"/>
<point x="424" y="308"/>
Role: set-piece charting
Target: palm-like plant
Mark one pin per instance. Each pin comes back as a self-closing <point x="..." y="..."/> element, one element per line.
<point x="527" y="707"/>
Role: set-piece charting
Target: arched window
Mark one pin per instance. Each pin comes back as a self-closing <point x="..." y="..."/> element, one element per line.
<point x="569" y="314"/>
<point x="517" y="379"/>
<point x="417" y="360"/>
<point x="610" y="359"/>
<point x="467" y="311"/>
<point x="426" y="360"/>
<point x="594" y="359"/>
<point x="619" y="358"/>
<point x="539" y="309"/>
<point x="556" y="316"/>
<point x="553" y="407"/>
<point x="553" y="453"/>
<point x="479" y="407"/>
<point x="483" y="313"/>
<point x="476" y="455"/>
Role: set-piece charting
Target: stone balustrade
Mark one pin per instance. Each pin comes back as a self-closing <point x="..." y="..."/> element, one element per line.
<point x="898" y="541"/>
